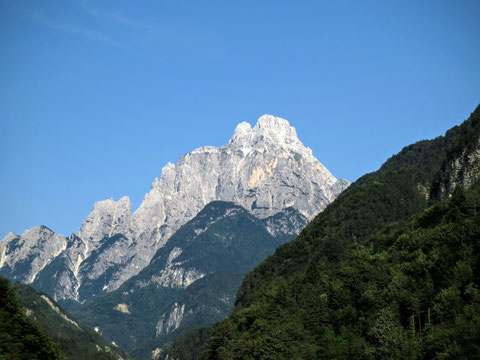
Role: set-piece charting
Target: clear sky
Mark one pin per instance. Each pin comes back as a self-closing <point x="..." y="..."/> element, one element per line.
<point x="97" y="96"/>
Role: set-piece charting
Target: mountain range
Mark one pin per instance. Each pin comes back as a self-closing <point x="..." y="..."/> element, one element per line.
<point x="143" y="279"/>
<point x="264" y="169"/>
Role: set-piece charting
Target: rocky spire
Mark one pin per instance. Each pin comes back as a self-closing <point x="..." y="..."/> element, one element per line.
<point x="269" y="129"/>
<point x="107" y="218"/>
<point x="241" y="133"/>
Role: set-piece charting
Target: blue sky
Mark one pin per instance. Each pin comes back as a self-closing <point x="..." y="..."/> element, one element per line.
<point x="97" y="96"/>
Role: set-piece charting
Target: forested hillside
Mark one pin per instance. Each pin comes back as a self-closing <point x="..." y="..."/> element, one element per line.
<point x="366" y="280"/>
<point x="20" y="338"/>
<point x="33" y="326"/>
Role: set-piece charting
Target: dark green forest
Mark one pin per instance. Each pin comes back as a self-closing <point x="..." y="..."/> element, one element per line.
<point x="190" y="345"/>
<point x="31" y="329"/>
<point x="20" y="338"/>
<point x="390" y="270"/>
<point x="410" y="291"/>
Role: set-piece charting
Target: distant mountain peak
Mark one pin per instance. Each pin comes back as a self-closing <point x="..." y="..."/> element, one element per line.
<point x="271" y="122"/>
<point x="268" y="128"/>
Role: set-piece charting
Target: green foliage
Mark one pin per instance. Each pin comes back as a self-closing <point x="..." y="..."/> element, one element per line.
<point x="20" y="338"/>
<point x="369" y="279"/>
<point x="413" y="295"/>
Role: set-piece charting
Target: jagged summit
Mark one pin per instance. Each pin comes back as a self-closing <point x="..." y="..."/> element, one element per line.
<point x="264" y="168"/>
<point x="269" y="128"/>
<point x="242" y="131"/>
<point x="107" y="218"/>
<point x="270" y="123"/>
<point x="23" y="257"/>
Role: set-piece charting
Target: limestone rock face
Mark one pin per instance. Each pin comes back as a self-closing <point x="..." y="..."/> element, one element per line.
<point x="462" y="172"/>
<point x="265" y="169"/>
<point x="170" y="322"/>
<point x="107" y="219"/>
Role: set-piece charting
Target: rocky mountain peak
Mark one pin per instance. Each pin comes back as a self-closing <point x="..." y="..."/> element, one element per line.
<point x="166" y="175"/>
<point x="241" y="133"/>
<point x="277" y="132"/>
<point x="9" y="237"/>
<point x="270" y="130"/>
<point x="272" y="125"/>
<point x="107" y="218"/>
<point x="38" y="230"/>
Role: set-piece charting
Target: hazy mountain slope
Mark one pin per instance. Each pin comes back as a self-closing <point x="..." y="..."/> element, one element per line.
<point x="223" y="237"/>
<point x="265" y="169"/>
<point x="334" y="260"/>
